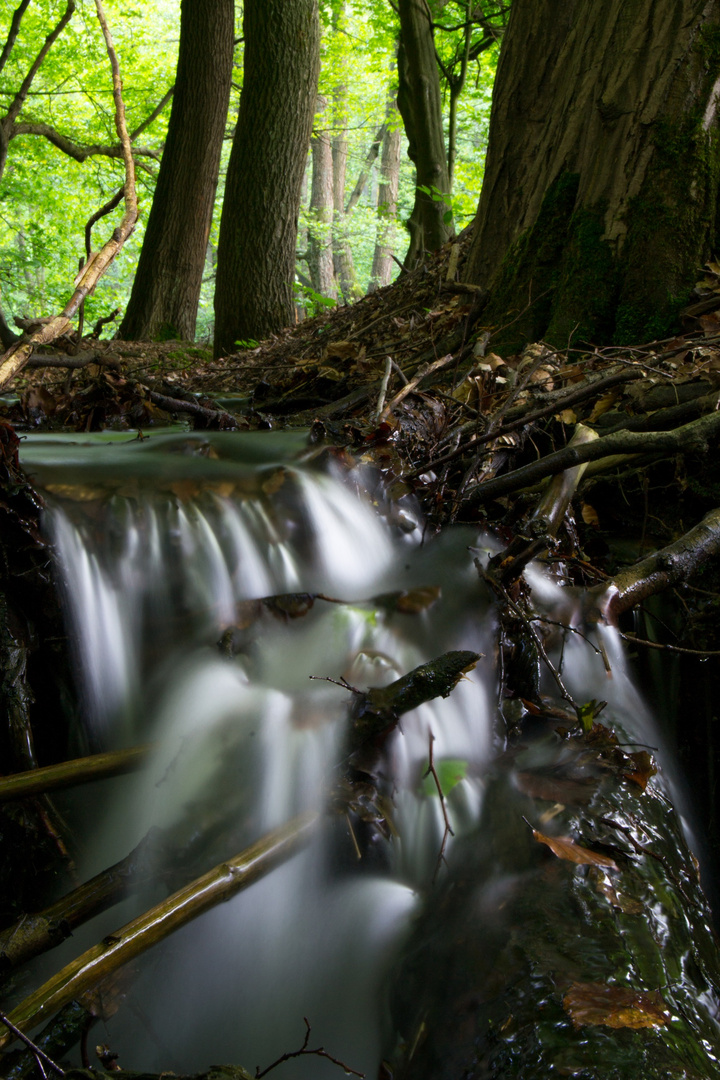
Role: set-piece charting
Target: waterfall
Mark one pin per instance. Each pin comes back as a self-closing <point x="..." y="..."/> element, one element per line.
<point x="168" y="551"/>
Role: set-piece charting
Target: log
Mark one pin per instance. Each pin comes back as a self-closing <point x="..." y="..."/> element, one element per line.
<point x="574" y="946"/>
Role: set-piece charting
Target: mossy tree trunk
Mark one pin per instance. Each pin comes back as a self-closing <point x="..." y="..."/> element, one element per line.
<point x="600" y="196"/>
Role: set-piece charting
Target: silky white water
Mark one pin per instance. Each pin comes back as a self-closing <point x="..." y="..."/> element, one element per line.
<point x="155" y="576"/>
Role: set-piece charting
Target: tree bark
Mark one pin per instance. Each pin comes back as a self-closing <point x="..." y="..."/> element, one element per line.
<point x="599" y="202"/>
<point x="258" y="229"/>
<point x="387" y="203"/>
<point x="320" y="245"/>
<point x="166" y="289"/>
<point x="421" y="109"/>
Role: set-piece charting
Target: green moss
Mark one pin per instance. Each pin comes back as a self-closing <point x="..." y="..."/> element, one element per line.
<point x="587" y="290"/>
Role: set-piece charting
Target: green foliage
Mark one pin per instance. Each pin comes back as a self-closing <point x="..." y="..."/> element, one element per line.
<point x="450" y="771"/>
<point x="312" y="301"/>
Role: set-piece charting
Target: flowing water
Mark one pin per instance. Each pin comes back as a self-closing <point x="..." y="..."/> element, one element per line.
<point x="165" y="549"/>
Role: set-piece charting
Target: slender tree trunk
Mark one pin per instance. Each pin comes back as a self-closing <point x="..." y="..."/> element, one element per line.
<point x="320" y="246"/>
<point x="387" y="203"/>
<point x="342" y="252"/>
<point x="599" y="202"/>
<point x="367" y="165"/>
<point x="166" y="290"/>
<point x="420" y="107"/>
<point x="258" y="229"/>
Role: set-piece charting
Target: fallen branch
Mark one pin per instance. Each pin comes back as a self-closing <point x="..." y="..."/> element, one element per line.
<point x="17" y="356"/>
<point x="690" y="437"/>
<point x="117" y="949"/>
<point x="71" y="773"/>
<point x="664" y="568"/>
<point x="31" y="935"/>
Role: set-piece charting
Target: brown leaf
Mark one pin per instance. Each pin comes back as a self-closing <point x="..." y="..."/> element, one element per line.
<point x="643" y="770"/>
<point x="556" y="789"/>
<point x="590" y="515"/>
<point x="414" y="601"/>
<point x="614" y="1006"/>
<point x="566" y="848"/>
<point x="567" y="416"/>
<point x="289" y="605"/>
<point x="603" y="404"/>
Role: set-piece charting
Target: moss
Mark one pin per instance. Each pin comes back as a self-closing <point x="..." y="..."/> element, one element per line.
<point x="587" y="291"/>
<point x="522" y="295"/>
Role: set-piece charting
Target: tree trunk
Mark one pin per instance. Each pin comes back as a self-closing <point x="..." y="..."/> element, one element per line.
<point x="258" y="229"/>
<point x="166" y="289"/>
<point x="387" y="203"/>
<point x="320" y="247"/>
<point x="599" y="202"/>
<point x="420" y="107"/>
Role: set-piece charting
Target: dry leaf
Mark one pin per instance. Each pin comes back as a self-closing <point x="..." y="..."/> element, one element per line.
<point x="603" y="404"/>
<point x="643" y="770"/>
<point x="590" y="515"/>
<point x="565" y="848"/>
<point x="567" y="416"/>
<point x="614" y="1006"/>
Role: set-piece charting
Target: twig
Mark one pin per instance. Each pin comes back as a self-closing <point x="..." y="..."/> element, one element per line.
<point x="383" y="388"/>
<point x="668" y="648"/>
<point x="304" y="1052"/>
<point x="342" y="682"/>
<point x="70" y="773"/>
<point x="40" y="1055"/>
<point x="432" y="771"/>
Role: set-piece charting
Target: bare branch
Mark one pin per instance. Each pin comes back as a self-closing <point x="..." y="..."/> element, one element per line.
<point x="76" y="150"/>
<point x="153" y="115"/>
<point x="13" y="32"/>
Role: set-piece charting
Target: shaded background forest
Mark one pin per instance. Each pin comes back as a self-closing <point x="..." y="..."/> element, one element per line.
<point x="47" y="196"/>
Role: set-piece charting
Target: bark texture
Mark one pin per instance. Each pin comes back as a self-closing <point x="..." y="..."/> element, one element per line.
<point x="421" y="109"/>
<point x="166" y="289"/>
<point x="599" y="202"/>
<point x="258" y="229"/>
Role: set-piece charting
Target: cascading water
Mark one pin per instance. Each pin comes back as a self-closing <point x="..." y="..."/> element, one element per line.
<point x="166" y="548"/>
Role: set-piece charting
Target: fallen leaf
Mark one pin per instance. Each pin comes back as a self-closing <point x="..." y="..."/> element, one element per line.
<point x="643" y="770"/>
<point x="567" y="416"/>
<point x="414" y="601"/>
<point x="603" y="404"/>
<point x="623" y="903"/>
<point x="566" y="848"/>
<point x="614" y="1006"/>
<point x="590" y="515"/>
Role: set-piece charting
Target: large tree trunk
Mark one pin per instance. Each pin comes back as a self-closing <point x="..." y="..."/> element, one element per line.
<point x="387" y="203"/>
<point x="258" y="230"/>
<point x="599" y="201"/>
<point x="320" y="248"/>
<point x="166" y="289"/>
<point x="420" y="107"/>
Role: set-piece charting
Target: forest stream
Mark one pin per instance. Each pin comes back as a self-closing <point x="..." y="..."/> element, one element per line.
<point x="233" y="600"/>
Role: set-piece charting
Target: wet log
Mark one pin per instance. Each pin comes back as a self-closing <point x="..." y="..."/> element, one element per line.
<point x="570" y="937"/>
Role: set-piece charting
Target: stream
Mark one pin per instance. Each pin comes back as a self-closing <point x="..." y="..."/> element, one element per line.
<point x="168" y="550"/>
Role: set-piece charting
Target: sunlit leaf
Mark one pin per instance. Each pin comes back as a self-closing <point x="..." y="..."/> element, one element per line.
<point x="644" y="768"/>
<point x="590" y="515"/>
